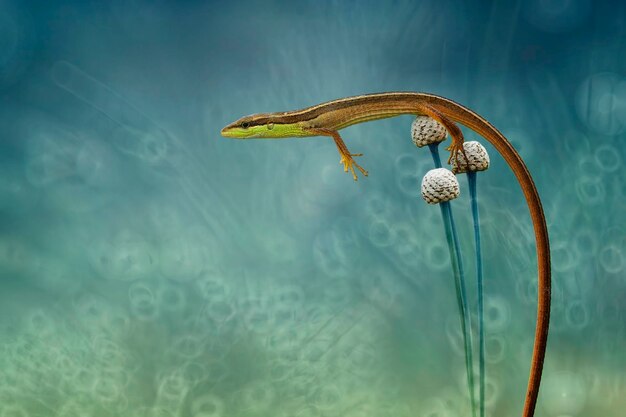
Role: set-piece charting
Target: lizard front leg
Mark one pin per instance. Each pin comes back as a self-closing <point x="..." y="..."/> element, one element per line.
<point x="346" y="157"/>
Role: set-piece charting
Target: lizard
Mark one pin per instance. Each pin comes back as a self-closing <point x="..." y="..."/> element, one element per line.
<point x="326" y="119"/>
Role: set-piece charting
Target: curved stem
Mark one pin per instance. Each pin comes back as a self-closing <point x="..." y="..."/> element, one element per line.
<point x="459" y="282"/>
<point x="471" y="179"/>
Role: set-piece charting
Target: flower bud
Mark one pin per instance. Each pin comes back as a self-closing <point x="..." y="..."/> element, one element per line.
<point x="439" y="185"/>
<point x="477" y="158"/>
<point x="426" y="130"/>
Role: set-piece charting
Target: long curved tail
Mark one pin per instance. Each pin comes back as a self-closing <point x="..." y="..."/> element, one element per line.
<point x="470" y="119"/>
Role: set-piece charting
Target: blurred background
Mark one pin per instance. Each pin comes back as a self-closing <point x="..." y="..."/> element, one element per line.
<point x="151" y="268"/>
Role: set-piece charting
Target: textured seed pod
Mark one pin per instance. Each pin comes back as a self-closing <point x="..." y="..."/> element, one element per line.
<point x="439" y="185"/>
<point x="477" y="156"/>
<point x="425" y="130"/>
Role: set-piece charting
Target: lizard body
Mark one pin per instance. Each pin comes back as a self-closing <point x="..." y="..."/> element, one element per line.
<point x="328" y="118"/>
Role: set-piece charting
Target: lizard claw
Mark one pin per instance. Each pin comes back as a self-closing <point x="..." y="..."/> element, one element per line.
<point x="349" y="163"/>
<point x="455" y="149"/>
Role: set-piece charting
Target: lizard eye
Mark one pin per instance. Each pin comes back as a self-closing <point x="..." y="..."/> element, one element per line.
<point x="245" y="125"/>
<point x="270" y="126"/>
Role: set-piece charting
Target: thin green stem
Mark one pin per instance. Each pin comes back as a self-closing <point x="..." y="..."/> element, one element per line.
<point x="471" y="179"/>
<point x="459" y="283"/>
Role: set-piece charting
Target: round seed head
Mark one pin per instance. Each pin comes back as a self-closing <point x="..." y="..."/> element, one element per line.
<point x="439" y="185"/>
<point x="426" y="130"/>
<point x="478" y="158"/>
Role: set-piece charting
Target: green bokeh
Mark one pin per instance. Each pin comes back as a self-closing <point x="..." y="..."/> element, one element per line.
<point x="149" y="267"/>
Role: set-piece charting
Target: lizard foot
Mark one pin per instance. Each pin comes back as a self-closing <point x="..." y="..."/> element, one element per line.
<point x="349" y="163"/>
<point x="456" y="149"/>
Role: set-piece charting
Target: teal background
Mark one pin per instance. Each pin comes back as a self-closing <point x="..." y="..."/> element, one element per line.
<point x="149" y="267"/>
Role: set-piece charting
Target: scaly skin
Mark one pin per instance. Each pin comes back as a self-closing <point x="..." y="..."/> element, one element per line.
<point x="327" y="118"/>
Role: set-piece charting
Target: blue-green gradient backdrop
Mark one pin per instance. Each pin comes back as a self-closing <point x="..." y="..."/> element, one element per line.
<point x="151" y="268"/>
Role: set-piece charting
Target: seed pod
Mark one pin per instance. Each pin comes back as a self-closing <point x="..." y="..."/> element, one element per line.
<point x="439" y="185"/>
<point x="426" y="130"/>
<point x="478" y="158"/>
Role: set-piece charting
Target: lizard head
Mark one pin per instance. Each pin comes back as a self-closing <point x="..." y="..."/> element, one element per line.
<point x="245" y="128"/>
<point x="263" y="125"/>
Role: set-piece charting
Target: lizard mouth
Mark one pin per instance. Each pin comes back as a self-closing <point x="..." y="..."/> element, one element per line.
<point x="233" y="132"/>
